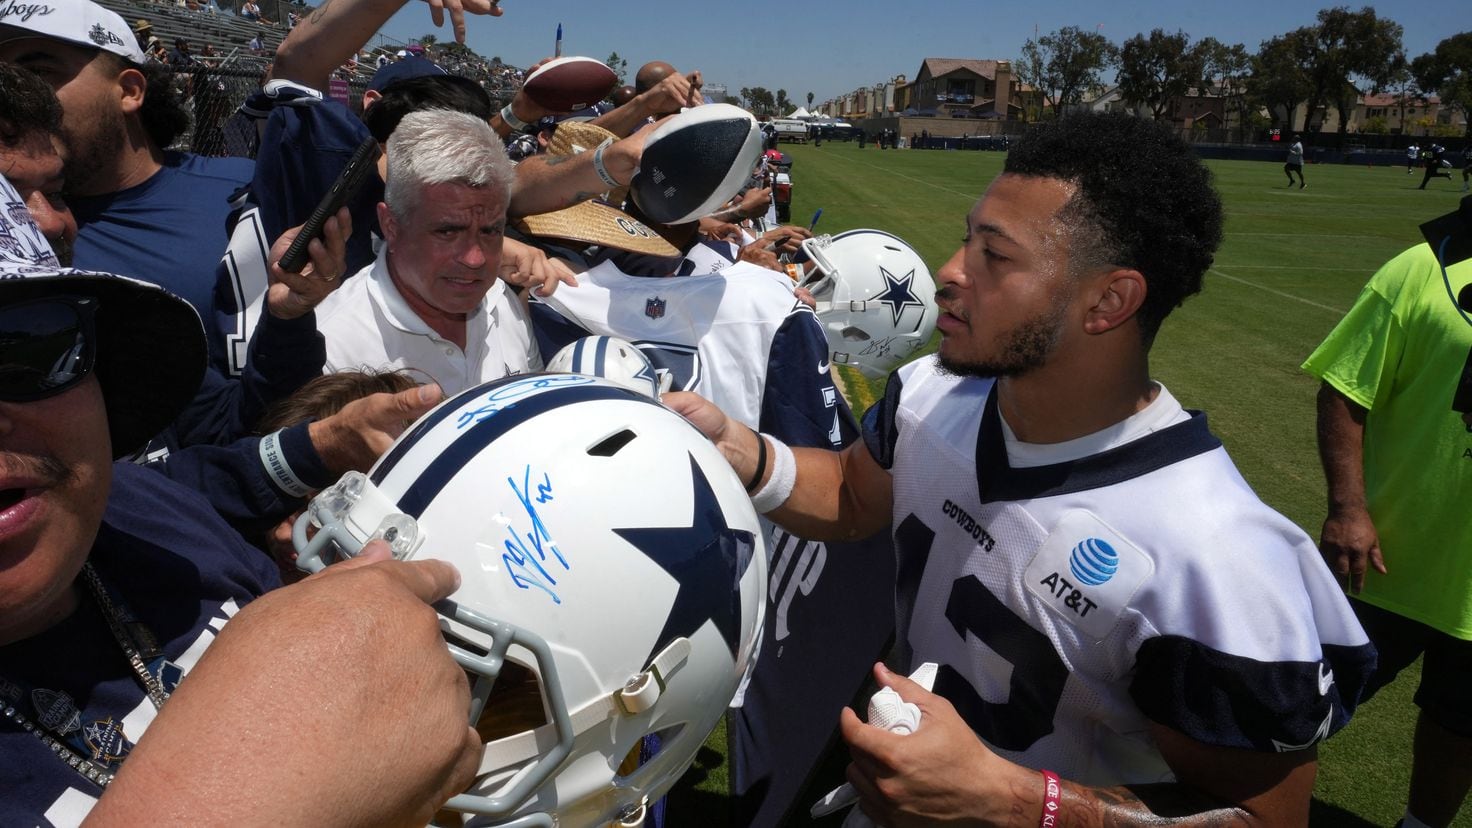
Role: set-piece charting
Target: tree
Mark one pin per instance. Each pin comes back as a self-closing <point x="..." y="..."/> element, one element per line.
<point x="758" y="100"/>
<point x="1403" y="87"/>
<point x="1448" y="71"/>
<point x="1069" y="62"/>
<point x="1029" y="70"/>
<point x="810" y="101"/>
<point x="618" y="65"/>
<point x="1229" y="67"/>
<point x="1279" y="78"/>
<point x="1156" y="70"/>
<point x="428" y="40"/>
<point x="781" y="105"/>
<point x="1350" y="52"/>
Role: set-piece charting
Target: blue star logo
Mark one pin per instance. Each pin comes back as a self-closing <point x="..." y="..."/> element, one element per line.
<point x="707" y="559"/>
<point x="898" y="295"/>
<point x="646" y="373"/>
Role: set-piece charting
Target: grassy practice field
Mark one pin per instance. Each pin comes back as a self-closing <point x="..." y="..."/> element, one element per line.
<point x="1291" y="265"/>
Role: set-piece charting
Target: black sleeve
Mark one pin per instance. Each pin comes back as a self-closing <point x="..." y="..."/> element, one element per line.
<point x="881" y="426"/>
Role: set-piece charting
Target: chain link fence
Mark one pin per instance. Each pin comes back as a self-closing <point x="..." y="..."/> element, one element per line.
<point x="213" y="93"/>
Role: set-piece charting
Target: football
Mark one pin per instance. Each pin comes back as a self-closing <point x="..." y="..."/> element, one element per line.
<point x="694" y="162"/>
<point x="568" y="84"/>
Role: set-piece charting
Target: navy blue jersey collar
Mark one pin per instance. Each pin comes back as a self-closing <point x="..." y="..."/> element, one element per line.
<point x="996" y="480"/>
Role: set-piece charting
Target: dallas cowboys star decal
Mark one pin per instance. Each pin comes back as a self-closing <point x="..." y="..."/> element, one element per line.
<point x="707" y="558"/>
<point x="898" y="295"/>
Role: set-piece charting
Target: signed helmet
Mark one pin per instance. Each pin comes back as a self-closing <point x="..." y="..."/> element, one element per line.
<point x="875" y="298"/>
<point x="613" y="359"/>
<point x="612" y="588"/>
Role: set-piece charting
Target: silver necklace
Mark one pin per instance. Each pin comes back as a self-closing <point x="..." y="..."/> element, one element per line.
<point x="117" y="622"/>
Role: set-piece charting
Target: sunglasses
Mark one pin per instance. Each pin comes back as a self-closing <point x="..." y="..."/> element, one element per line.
<point x="46" y="346"/>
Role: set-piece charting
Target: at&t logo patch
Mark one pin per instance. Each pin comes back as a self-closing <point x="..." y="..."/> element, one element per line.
<point x="1087" y="573"/>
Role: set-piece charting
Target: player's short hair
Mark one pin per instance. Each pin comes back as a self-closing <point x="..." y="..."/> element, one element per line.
<point x="438" y="146"/>
<point x="323" y="396"/>
<point x="164" y="115"/>
<point x="1145" y="201"/>
<point x="425" y="92"/>
<point x="27" y="104"/>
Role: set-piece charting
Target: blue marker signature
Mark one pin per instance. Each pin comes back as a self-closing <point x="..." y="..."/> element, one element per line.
<point x="506" y="396"/>
<point x="526" y="552"/>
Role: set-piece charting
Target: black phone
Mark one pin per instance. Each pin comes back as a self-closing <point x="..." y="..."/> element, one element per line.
<point x="348" y="182"/>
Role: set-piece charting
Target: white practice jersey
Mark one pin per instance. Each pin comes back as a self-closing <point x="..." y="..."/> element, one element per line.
<point x="1071" y="605"/>
<point x="737" y="337"/>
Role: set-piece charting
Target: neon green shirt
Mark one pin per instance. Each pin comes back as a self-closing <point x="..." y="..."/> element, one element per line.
<point x="1399" y="352"/>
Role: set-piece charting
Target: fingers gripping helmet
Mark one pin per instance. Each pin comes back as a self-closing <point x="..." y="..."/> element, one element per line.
<point x="613" y="359"/>
<point x="875" y="298"/>
<point x="611" y="570"/>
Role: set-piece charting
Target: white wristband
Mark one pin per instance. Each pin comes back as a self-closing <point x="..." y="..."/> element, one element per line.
<point x="598" y="165"/>
<point x="516" y="124"/>
<point x="784" y="477"/>
<point x="280" y="471"/>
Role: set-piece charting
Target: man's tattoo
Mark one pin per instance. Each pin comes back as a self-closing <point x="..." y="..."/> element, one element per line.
<point x="317" y="13"/>
<point x="1136" y="805"/>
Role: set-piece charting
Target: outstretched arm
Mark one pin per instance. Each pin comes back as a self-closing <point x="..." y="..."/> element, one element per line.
<point x="296" y="683"/>
<point x="337" y="29"/>
<point x="837" y="495"/>
<point x="546" y="183"/>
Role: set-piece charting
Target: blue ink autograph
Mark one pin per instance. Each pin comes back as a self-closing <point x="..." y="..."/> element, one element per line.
<point x="506" y="396"/>
<point x="526" y="552"/>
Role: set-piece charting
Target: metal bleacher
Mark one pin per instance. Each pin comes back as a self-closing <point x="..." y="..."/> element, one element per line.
<point x="224" y="30"/>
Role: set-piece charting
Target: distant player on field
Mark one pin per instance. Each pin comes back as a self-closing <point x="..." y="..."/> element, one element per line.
<point x="1108" y="601"/>
<point x="1295" y="162"/>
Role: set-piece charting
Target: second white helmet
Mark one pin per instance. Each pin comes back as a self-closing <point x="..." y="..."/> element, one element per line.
<point x="875" y="298"/>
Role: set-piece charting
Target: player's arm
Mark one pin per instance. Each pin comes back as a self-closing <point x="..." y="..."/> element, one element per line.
<point x="943" y="773"/>
<point x="1215" y="786"/>
<point x="836" y="496"/>
<point x="1348" y="542"/>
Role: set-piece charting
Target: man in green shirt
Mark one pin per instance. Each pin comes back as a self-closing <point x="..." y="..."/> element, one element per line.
<point x="1398" y="459"/>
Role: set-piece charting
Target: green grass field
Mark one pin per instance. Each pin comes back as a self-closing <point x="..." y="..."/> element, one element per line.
<point x="1291" y="265"/>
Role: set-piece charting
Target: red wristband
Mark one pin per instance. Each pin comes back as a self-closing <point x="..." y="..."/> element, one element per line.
<point x="1052" y="800"/>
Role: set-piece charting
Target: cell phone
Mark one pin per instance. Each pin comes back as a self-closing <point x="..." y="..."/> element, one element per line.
<point x="348" y="182"/>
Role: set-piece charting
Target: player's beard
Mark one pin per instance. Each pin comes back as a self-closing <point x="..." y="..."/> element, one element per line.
<point x="1026" y="347"/>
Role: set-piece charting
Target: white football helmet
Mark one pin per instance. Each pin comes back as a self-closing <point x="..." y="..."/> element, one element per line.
<point x="876" y="299"/>
<point x="613" y="359"/>
<point x="613" y="574"/>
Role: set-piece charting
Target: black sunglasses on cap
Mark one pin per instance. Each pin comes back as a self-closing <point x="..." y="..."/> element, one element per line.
<point x="46" y="346"/>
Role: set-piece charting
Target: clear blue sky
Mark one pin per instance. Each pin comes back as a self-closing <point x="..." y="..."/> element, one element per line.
<point x="832" y="48"/>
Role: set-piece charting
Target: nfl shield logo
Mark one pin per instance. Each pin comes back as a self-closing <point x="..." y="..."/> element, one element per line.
<point x="654" y="308"/>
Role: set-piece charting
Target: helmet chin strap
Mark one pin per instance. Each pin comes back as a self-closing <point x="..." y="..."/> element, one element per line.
<point x="638" y="695"/>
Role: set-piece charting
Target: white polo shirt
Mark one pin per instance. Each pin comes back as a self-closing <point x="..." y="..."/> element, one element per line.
<point x="367" y="324"/>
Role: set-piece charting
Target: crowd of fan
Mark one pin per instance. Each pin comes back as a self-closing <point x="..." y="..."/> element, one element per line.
<point x="410" y="289"/>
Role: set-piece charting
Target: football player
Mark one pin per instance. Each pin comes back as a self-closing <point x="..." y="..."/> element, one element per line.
<point x="1124" y="632"/>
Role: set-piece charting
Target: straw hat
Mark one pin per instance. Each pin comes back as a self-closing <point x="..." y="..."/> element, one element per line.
<point x="596" y="221"/>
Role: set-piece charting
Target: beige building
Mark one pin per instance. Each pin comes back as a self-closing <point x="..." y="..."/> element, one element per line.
<point x="948" y="86"/>
<point x="1403" y="115"/>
